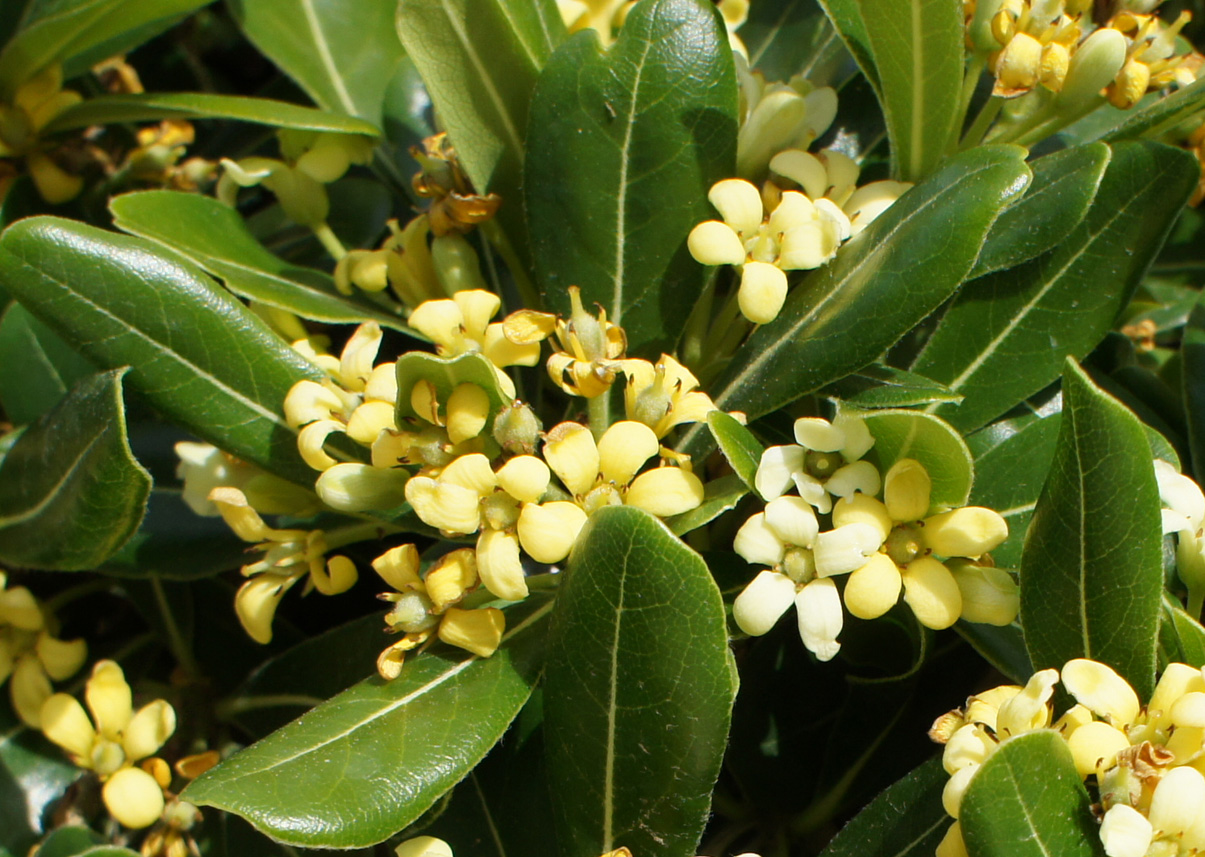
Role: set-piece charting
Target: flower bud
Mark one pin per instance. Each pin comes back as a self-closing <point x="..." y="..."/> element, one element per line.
<point x="517" y="428"/>
<point x="906" y="490"/>
<point x="1095" y="63"/>
<point x="353" y="487"/>
<point x="990" y="596"/>
<point x="456" y="264"/>
<point x="665" y="491"/>
<point x="424" y="846"/>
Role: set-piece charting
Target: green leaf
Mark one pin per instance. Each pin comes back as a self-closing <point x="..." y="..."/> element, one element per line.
<point x="792" y="37"/>
<point x="33" y="774"/>
<point x="720" y="496"/>
<point x="624" y="145"/>
<point x="932" y="442"/>
<point x="1092" y="568"/>
<point x="72" y="474"/>
<point x="1181" y="637"/>
<point x="1005" y="336"/>
<point x="1011" y="464"/>
<point x="880" y="286"/>
<point x="846" y="17"/>
<point x="1064" y="185"/>
<point x="1028" y="801"/>
<point x="68" y="842"/>
<point x="156" y="106"/>
<point x="1163" y="114"/>
<point x="638" y="690"/>
<point x="446" y="374"/>
<point x="215" y="237"/>
<point x="342" y="61"/>
<point x="1192" y="373"/>
<point x="918" y="53"/>
<point x="742" y="450"/>
<point x="887" y="387"/>
<point x="38" y="366"/>
<point x="906" y="820"/>
<point x="480" y="70"/>
<point x="198" y="355"/>
<point x="363" y="765"/>
<point x="1002" y="646"/>
<point x="54" y="31"/>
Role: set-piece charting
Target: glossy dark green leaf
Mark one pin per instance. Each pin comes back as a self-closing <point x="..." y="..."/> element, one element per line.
<point x="480" y="61"/>
<point x="54" y="31"/>
<point x="638" y="690"/>
<point x="1092" y="568"/>
<point x="1028" y="801"/>
<point x="881" y="285"/>
<point x="370" y="761"/>
<point x="792" y="37"/>
<point x="906" y="820"/>
<point x="1161" y="115"/>
<point x="624" y="145"/>
<point x="72" y="474"/>
<point x="1181" y="637"/>
<point x="68" y="842"/>
<point x="910" y="434"/>
<point x="887" y="387"/>
<point x="1010" y="470"/>
<point x="742" y="450"/>
<point x="1064" y="185"/>
<point x="720" y="496"/>
<point x="343" y="61"/>
<point x="846" y="17"/>
<point x="197" y="354"/>
<point x="917" y="47"/>
<point x="38" y="366"/>
<point x="215" y="237"/>
<point x="1192" y="373"/>
<point x="1006" y="334"/>
<point x="1002" y="646"/>
<point x="156" y="106"/>
<point x="33" y="774"/>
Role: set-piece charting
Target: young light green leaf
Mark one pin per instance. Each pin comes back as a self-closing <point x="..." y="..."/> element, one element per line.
<point x="363" y="765"/>
<point x="905" y="820"/>
<point x="156" y="106"/>
<point x="1028" y="801"/>
<point x="1005" y="336"/>
<point x="887" y="387"/>
<point x="1092" y="569"/>
<point x="55" y="31"/>
<point x="72" y="474"/>
<point x="742" y="450"/>
<point x="198" y="355"/>
<point x="215" y="237"/>
<point x="881" y="285"/>
<point x="38" y="366"/>
<point x="480" y="70"/>
<point x="792" y="37"/>
<point x="1064" y="185"/>
<point x="932" y="442"/>
<point x="343" y="61"/>
<point x="638" y="691"/>
<point x="917" y="47"/>
<point x="624" y="145"/>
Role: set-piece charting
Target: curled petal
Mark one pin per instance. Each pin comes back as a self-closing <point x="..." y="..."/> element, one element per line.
<point x="715" y="243"/>
<point x="952" y="844"/>
<point x="257" y="600"/>
<point x="360" y="352"/>
<point x="525" y="478"/>
<point x="803" y="168"/>
<point x="818" y="434"/>
<point x="477" y="631"/>
<point x="792" y="520"/>
<point x="869" y="201"/>
<point x="450" y="507"/>
<point x="336" y="576"/>
<point x="970" y="745"/>
<point x="874" y="588"/>
<point x="499" y="565"/>
<point x="860" y="477"/>
<point x="665" y="491"/>
<point x="970" y="531"/>
<point x="109" y="699"/>
<point x="1125" y="832"/>
<point x="739" y="203"/>
<point x="399" y="567"/>
<point x="846" y="548"/>
<point x="756" y="542"/>
<point x="762" y="603"/>
<point x="477" y="307"/>
<point x="312" y="437"/>
<point x="863" y="509"/>
<point x="807" y="246"/>
<point x="932" y="593"/>
<point x="368" y="421"/>
<point x="793" y="209"/>
<point x="818" y="607"/>
<point x="65" y="723"/>
<point x="61" y="658"/>
<point x="776" y="469"/>
<point x="623" y="450"/>
<point x="1028" y="710"/>
<point x="29" y="688"/>
<point x="307" y="401"/>
<point x="956" y="786"/>
<point x="150" y="727"/>
<point x="1099" y="687"/>
<point x="502" y="352"/>
<point x="763" y="291"/>
<point x="548" y="531"/>
<point x="19" y="608"/>
<point x="1179" y="801"/>
<point x="572" y="454"/>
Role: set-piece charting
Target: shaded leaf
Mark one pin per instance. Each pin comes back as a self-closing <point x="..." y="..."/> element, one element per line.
<point x="1092" y="568"/>
<point x="792" y="37"/>
<point x="887" y="387"/>
<point x="33" y="774"/>
<point x="197" y="354"/>
<point x="366" y="763"/>
<point x="917" y="47"/>
<point x="1064" y="185"/>
<point x="1160" y="116"/>
<point x="1001" y="646"/>
<point x="881" y="285"/>
<point x="342" y="61"/>
<point x="742" y="450"/>
<point x="72" y="474"/>
<point x="1192" y="373"/>
<point x="911" y="434"/>
<point x="639" y="690"/>
<point x="38" y="366"/>
<point x="68" y="842"/>
<point x="624" y="145"/>
<point x="906" y="820"/>
<point x="480" y="70"/>
<point x="846" y="17"/>
<point x="1005" y="336"/>
<point x="1181" y="637"/>
<point x="1028" y="801"/>
<point x="215" y="237"/>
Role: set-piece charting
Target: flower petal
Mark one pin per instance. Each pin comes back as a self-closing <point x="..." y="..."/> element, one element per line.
<point x="761" y="604"/>
<point x="499" y="565"/>
<point x="548" y="531"/>
<point x="715" y="243"/>
<point x="932" y="593"/>
<point x="777" y="466"/>
<point x="738" y="202"/>
<point x="762" y="292"/>
<point x="1099" y="687"/>
<point x="969" y="531"/>
<point x="65" y="723"/>
<point x="846" y="548"/>
<point x="906" y="490"/>
<point x="874" y="588"/>
<point x="757" y="543"/>
<point x="623" y="450"/>
<point x="109" y="699"/>
<point x="792" y="520"/>
<point x="818" y="606"/>
<point x="665" y="491"/>
<point x="133" y="798"/>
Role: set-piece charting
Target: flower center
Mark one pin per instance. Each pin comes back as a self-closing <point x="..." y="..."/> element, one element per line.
<point x="822" y="465"/>
<point x="107" y="757"/>
<point x="799" y="565"/>
<point x="904" y="544"/>
<point x="604" y="495"/>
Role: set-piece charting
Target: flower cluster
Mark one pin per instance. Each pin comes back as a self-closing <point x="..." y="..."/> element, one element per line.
<point x="36" y="102"/>
<point x="30" y="654"/>
<point x="885" y="546"/>
<point x="770" y="232"/>
<point x="1185" y="516"/>
<point x="1143" y="760"/>
<point x="113" y="740"/>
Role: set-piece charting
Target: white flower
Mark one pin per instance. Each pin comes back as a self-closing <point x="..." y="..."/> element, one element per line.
<point x="1185" y="516"/>
<point x="824" y="463"/>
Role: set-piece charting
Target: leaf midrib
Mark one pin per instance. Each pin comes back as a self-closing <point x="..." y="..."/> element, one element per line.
<point x="53" y="492"/>
<point x="326" y="58"/>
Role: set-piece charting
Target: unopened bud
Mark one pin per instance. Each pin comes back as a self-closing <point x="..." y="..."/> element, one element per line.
<point x="1092" y="67"/>
<point x="517" y="428"/>
<point x="361" y="487"/>
<point x="456" y="264"/>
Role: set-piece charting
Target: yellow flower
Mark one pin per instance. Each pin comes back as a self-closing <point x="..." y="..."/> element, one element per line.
<point x="424" y="846"/>
<point x="1036" y="42"/>
<point x="113" y="740"/>
<point x="777" y="116"/>
<point x="1151" y="60"/>
<point x="37" y="101"/>
<point x="590" y="347"/>
<point x="663" y="396"/>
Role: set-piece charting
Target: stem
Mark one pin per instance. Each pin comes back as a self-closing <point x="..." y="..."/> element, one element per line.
<point x="179" y="647"/>
<point x="329" y="240"/>
<point x="62" y="599"/>
<point x="600" y="413"/>
<point x="969" y="84"/>
<point x="696" y="325"/>
<point x="1196" y="599"/>
<point x="987" y="115"/>
<point x="527" y="289"/>
<point x="231" y="707"/>
<point x="358" y="533"/>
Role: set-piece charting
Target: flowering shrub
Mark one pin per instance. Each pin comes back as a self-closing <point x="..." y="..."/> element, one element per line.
<point x="601" y="428"/>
